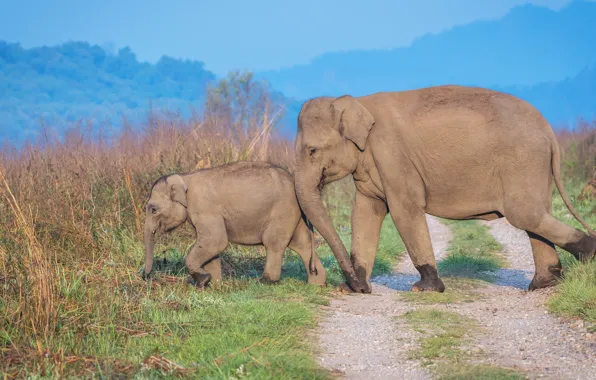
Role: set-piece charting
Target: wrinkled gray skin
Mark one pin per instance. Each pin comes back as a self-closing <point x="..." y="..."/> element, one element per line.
<point x="450" y="151"/>
<point x="246" y="203"/>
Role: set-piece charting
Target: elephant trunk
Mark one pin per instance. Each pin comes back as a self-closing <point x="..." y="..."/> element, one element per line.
<point x="312" y="205"/>
<point x="149" y="241"/>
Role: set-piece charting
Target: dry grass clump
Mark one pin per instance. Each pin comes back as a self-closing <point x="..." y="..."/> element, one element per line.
<point x="71" y="209"/>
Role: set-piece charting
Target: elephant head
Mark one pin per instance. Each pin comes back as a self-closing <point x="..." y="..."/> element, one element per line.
<point x="165" y="210"/>
<point x="331" y="134"/>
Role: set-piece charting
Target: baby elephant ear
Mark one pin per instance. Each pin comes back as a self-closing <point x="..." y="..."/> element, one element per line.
<point x="177" y="189"/>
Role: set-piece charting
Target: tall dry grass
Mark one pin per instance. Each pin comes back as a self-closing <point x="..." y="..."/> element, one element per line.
<point x="68" y="205"/>
<point x="578" y="147"/>
<point x="32" y="273"/>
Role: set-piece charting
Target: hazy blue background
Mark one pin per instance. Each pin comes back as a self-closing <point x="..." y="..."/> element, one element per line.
<point x="258" y="34"/>
<point x="541" y="50"/>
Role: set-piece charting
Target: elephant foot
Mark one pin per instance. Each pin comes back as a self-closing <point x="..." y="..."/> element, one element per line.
<point x="429" y="280"/>
<point x="147" y="276"/>
<point x="345" y="288"/>
<point x="361" y="274"/>
<point x="545" y="280"/>
<point x="201" y="279"/>
<point x="435" y="285"/>
<point x="367" y="286"/>
<point x="584" y="249"/>
<point x="267" y="281"/>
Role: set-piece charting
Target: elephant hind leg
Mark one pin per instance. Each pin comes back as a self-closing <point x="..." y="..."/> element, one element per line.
<point x="213" y="267"/>
<point x="536" y="219"/>
<point x="546" y="260"/>
<point x="302" y="244"/>
<point x="275" y="239"/>
<point x="580" y="244"/>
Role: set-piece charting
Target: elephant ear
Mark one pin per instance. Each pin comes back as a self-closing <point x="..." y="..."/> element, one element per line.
<point x="178" y="189"/>
<point x="355" y="122"/>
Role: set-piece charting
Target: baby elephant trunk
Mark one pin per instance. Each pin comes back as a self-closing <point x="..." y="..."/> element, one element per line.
<point x="149" y="241"/>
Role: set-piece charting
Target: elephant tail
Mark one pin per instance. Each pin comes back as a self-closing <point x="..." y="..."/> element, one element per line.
<point x="556" y="164"/>
<point x="311" y="263"/>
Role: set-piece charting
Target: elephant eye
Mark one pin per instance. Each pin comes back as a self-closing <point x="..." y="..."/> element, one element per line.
<point x="312" y="151"/>
<point x="153" y="210"/>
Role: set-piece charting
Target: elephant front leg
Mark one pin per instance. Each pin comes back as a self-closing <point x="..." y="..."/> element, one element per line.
<point x="413" y="229"/>
<point x="367" y="218"/>
<point x="201" y="261"/>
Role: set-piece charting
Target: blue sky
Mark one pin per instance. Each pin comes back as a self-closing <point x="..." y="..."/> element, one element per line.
<point x="257" y="34"/>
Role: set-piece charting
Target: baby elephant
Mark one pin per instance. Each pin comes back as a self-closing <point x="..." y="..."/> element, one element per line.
<point x="245" y="203"/>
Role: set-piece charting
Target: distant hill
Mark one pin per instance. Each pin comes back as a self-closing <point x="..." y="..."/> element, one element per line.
<point x="529" y="45"/>
<point x="564" y="101"/>
<point x="78" y="80"/>
<point x="561" y="102"/>
<point x="546" y="57"/>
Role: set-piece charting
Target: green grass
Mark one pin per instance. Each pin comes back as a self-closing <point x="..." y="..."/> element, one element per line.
<point x="472" y="252"/>
<point x="234" y="329"/>
<point x="238" y="328"/>
<point x="576" y="294"/>
<point x="462" y="371"/>
<point x="444" y="333"/>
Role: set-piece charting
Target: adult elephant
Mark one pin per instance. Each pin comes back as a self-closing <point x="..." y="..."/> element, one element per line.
<point x="451" y="151"/>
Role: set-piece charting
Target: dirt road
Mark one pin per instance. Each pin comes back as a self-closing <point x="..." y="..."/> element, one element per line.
<point x="361" y="338"/>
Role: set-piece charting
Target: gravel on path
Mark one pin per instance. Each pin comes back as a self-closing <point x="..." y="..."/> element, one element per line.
<point x="518" y="330"/>
<point x="360" y="336"/>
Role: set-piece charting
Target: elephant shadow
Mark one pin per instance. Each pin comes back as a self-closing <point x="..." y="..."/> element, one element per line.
<point x="506" y="277"/>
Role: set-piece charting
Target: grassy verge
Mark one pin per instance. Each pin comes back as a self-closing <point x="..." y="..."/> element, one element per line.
<point x="576" y="294"/>
<point x="111" y="323"/>
<point x="440" y="348"/>
<point x="165" y="327"/>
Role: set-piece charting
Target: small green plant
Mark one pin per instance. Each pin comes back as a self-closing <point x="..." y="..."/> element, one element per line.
<point x="472" y="252"/>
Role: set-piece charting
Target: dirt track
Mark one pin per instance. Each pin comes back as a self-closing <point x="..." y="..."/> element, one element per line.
<point x="360" y="338"/>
